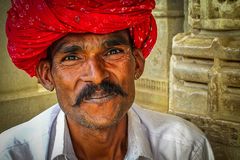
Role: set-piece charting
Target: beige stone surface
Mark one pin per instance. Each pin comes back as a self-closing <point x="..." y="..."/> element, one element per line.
<point x="168" y="8"/>
<point x="214" y="14"/>
<point x="205" y="73"/>
<point x="152" y="87"/>
<point x="10" y="75"/>
<point x="152" y="94"/>
<point x="205" y="76"/>
<point x="205" y="87"/>
<point x="16" y="108"/>
<point x="20" y="96"/>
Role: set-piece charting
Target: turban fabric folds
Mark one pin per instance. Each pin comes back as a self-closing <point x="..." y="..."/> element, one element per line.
<point x="33" y="25"/>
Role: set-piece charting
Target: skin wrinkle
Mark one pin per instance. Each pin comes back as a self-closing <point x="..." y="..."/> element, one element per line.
<point x="108" y="43"/>
<point x="57" y="45"/>
<point x="83" y="47"/>
<point x="100" y="119"/>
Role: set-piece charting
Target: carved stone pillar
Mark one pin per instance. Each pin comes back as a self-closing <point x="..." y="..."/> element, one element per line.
<point x="205" y="73"/>
<point x="152" y="87"/>
<point x="20" y="96"/>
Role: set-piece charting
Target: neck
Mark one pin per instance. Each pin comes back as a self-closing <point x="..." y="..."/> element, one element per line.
<point x="109" y="143"/>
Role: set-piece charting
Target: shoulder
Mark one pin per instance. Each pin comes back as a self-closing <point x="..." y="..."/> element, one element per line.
<point x="171" y="135"/>
<point x="34" y="131"/>
<point x="156" y="122"/>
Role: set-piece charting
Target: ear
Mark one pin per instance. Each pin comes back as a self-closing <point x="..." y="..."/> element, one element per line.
<point x="140" y="62"/>
<point x="44" y="75"/>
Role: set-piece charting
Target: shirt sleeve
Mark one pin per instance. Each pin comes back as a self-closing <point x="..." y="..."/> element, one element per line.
<point x="20" y="152"/>
<point x="202" y="150"/>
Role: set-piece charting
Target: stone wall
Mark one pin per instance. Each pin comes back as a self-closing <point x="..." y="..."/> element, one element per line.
<point x="205" y="88"/>
<point x="196" y="74"/>
<point x="154" y="82"/>
<point x="20" y="96"/>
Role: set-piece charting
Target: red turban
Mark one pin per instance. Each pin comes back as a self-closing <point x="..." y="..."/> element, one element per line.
<point x="33" y="25"/>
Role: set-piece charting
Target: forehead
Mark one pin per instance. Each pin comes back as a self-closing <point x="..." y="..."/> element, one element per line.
<point x="119" y="37"/>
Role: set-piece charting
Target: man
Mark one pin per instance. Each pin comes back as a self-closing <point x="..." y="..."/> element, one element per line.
<point x="91" y="52"/>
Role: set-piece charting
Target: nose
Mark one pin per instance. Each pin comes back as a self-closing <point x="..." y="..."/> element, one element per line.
<point x="95" y="71"/>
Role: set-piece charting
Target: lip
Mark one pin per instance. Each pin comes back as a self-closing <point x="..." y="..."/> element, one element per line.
<point x="100" y="98"/>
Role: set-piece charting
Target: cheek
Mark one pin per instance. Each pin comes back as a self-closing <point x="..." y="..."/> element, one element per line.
<point x="126" y="74"/>
<point x="65" y="84"/>
<point x="65" y="76"/>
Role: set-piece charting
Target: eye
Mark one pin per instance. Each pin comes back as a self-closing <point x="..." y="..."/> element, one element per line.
<point x="70" y="58"/>
<point x="114" y="51"/>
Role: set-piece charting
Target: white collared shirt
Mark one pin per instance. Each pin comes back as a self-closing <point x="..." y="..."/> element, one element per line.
<point x="151" y="135"/>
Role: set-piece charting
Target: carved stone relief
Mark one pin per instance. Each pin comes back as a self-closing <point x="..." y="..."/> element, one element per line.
<point x="205" y="87"/>
<point x="214" y="14"/>
<point x="207" y="68"/>
<point x="152" y="87"/>
<point x="167" y="8"/>
<point x="229" y="9"/>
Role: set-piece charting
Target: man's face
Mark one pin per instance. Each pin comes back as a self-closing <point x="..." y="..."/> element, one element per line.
<point x="93" y="76"/>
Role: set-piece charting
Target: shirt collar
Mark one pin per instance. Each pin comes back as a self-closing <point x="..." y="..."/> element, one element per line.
<point x="57" y="149"/>
<point x="138" y="144"/>
<point x="62" y="148"/>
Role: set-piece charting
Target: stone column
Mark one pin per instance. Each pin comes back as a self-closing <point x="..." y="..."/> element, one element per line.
<point x="205" y="73"/>
<point x="20" y="96"/>
<point x="152" y="87"/>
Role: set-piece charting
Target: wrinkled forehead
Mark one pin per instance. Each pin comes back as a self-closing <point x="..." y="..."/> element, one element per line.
<point x="110" y="39"/>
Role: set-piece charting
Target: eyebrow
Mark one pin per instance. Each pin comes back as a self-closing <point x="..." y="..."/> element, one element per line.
<point x="72" y="48"/>
<point x="115" y="42"/>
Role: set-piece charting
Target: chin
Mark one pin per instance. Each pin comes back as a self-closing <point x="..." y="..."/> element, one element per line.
<point x="100" y="122"/>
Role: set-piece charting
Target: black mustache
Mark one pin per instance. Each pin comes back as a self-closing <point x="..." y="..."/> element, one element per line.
<point x="107" y="86"/>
